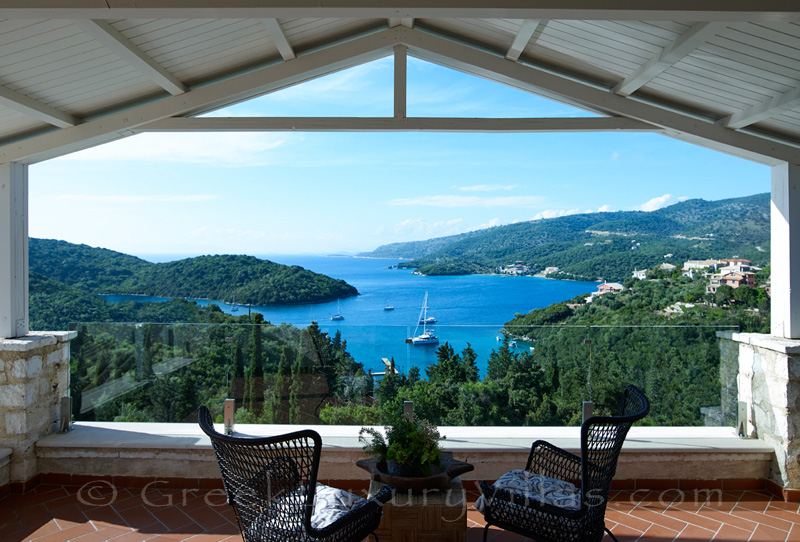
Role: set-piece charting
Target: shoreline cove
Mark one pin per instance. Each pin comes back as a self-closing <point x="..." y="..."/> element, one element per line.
<point x="470" y="309"/>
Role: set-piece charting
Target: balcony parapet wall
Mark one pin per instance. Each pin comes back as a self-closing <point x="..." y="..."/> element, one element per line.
<point x="769" y="383"/>
<point x="34" y="376"/>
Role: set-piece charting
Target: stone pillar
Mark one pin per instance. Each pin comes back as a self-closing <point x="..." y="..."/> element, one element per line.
<point x="34" y="376"/>
<point x="769" y="382"/>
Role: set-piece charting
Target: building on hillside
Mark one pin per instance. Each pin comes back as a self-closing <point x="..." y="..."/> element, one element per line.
<point x="640" y="274"/>
<point x="667" y="267"/>
<point x="549" y="270"/>
<point x="713" y="265"/>
<point x="734" y="280"/>
<point x="735" y="266"/>
<point x="608" y="288"/>
<point x="668" y="255"/>
<point x="517" y="268"/>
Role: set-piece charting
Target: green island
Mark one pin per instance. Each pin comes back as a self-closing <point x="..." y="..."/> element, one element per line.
<point x="594" y="246"/>
<point x="246" y="279"/>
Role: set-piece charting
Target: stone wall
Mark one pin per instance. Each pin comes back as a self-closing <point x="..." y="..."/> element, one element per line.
<point x="34" y="376"/>
<point x="769" y="382"/>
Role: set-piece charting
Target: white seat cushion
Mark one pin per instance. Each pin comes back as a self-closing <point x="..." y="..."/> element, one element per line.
<point x="536" y="487"/>
<point x="330" y="504"/>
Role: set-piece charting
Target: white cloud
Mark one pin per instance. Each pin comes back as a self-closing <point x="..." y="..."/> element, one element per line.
<point x="555" y="213"/>
<point x="468" y="201"/>
<point x="221" y="149"/>
<point x="491" y="224"/>
<point x="486" y="187"/>
<point x="656" y="203"/>
<point x="187" y="198"/>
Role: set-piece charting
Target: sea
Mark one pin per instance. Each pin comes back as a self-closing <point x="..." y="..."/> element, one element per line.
<point x="469" y="309"/>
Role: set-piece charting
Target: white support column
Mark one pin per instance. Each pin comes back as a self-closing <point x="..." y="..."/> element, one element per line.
<point x="785" y="251"/>
<point x="13" y="250"/>
<point x="400" y="78"/>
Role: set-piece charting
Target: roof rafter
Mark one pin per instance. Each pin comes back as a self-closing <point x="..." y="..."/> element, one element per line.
<point x="522" y="39"/>
<point x="544" y="82"/>
<point x="769" y="108"/>
<point x="690" y="40"/>
<point x="112" y="39"/>
<point x="610" y="10"/>
<point x="34" y="108"/>
<point x="395" y="124"/>
<point x="279" y="39"/>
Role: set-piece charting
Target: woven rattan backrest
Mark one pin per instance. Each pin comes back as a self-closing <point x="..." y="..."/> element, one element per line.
<point x="601" y="442"/>
<point x="271" y="479"/>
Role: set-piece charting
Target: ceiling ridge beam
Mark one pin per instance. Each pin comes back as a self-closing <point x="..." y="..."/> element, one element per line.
<point x="279" y="39"/>
<point x="694" y="37"/>
<point x="609" y="10"/>
<point x="521" y="40"/>
<point x="769" y="108"/>
<point x="390" y="124"/>
<point x="408" y="22"/>
<point x="544" y="82"/>
<point x="203" y="98"/>
<point x="34" y="108"/>
<point x="113" y="40"/>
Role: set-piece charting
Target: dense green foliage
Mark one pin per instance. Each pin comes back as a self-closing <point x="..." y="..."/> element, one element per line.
<point x="246" y="279"/>
<point x="162" y="372"/>
<point x="603" y="245"/>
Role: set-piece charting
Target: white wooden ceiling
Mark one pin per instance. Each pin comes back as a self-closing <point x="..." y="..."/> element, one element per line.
<point x="76" y="73"/>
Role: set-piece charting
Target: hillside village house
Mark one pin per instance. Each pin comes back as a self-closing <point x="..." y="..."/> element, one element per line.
<point x="723" y="75"/>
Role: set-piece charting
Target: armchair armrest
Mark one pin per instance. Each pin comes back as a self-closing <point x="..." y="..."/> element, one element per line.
<point x="554" y="462"/>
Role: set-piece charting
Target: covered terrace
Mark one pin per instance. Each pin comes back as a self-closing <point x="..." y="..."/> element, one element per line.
<point x="79" y="73"/>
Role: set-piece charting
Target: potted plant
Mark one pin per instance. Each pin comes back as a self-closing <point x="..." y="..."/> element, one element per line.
<point x="410" y="448"/>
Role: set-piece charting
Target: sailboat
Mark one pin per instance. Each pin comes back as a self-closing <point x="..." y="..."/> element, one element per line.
<point x="338" y="315"/>
<point x="427" y="336"/>
<point x="388" y="307"/>
<point x="234" y="308"/>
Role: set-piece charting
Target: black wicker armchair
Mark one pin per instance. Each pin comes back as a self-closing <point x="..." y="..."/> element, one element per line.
<point x="559" y="496"/>
<point x="271" y="483"/>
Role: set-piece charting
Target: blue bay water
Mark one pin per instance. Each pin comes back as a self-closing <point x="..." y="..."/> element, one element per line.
<point x="468" y="309"/>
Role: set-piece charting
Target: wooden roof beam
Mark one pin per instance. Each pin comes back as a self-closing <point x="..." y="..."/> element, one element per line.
<point x="687" y="42"/>
<point x="523" y="37"/>
<point x="34" y="108"/>
<point x="279" y="39"/>
<point x="397" y="124"/>
<point x="609" y="10"/>
<point x="769" y="108"/>
<point x="112" y="39"/>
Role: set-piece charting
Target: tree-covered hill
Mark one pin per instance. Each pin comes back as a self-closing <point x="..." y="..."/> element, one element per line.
<point x="604" y="245"/>
<point x="247" y="279"/>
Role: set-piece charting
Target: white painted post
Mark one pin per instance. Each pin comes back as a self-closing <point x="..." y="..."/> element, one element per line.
<point x="13" y="250"/>
<point x="400" y="78"/>
<point x="785" y="251"/>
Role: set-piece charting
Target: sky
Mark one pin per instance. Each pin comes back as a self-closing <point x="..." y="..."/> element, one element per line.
<point x="344" y="193"/>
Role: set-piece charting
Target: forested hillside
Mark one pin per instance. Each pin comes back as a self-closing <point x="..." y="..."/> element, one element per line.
<point x="657" y="334"/>
<point x="604" y="245"/>
<point x="247" y="279"/>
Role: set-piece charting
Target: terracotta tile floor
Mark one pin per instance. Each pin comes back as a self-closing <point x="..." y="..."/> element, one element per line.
<point x="55" y="513"/>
